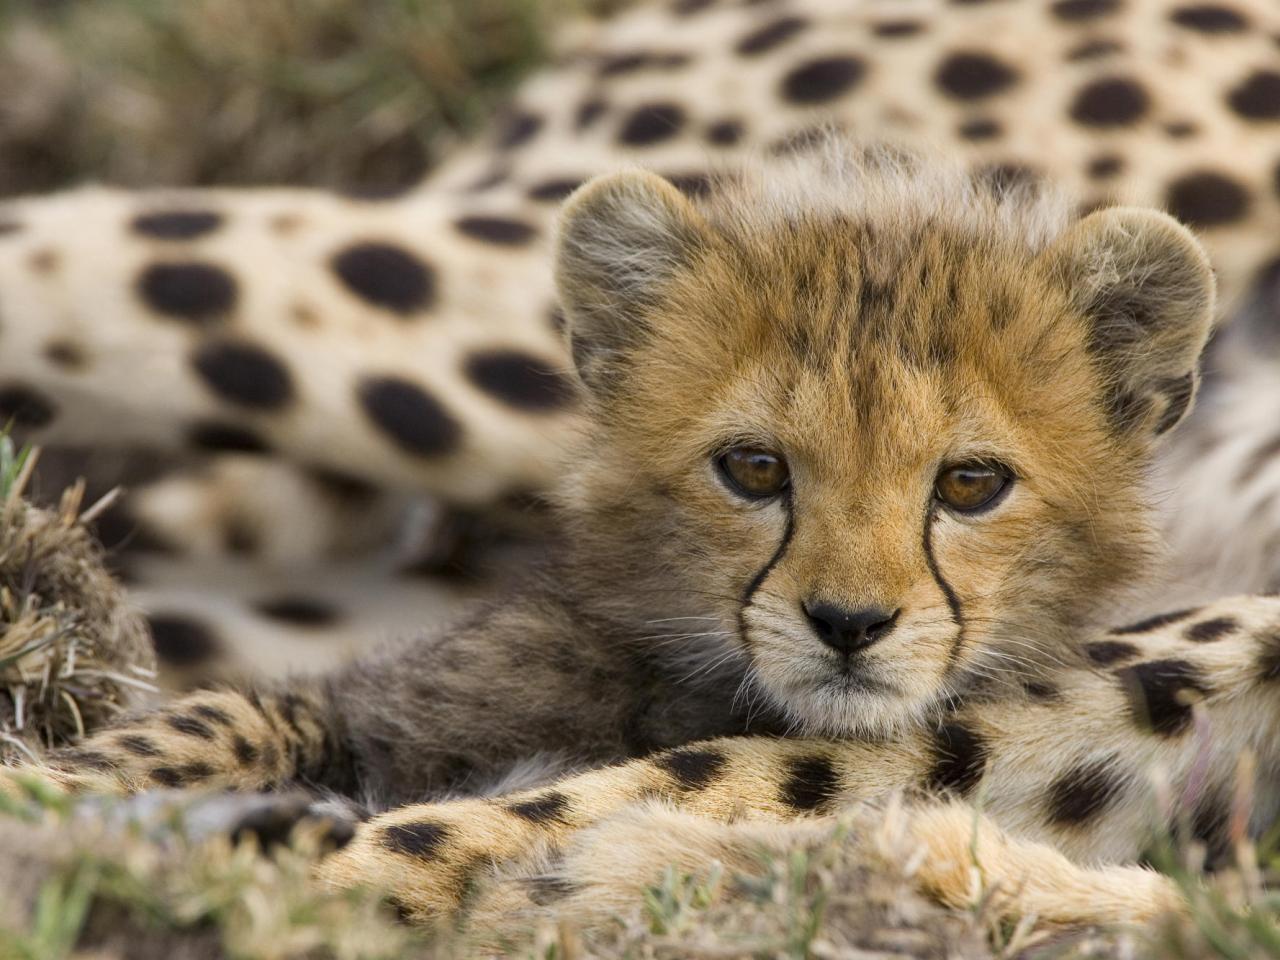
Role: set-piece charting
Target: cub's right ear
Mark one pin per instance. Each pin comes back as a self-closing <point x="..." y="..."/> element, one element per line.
<point x="622" y="238"/>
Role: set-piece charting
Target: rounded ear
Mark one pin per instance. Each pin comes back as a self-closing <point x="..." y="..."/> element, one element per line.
<point x="1147" y="289"/>
<point x="622" y="238"/>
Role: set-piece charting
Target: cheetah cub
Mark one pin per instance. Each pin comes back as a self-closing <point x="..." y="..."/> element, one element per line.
<point x="861" y="480"/>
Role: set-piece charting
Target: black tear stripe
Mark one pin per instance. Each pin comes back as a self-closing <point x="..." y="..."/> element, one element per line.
<point x="789" y="506"/>
<point x="953" y="601"/>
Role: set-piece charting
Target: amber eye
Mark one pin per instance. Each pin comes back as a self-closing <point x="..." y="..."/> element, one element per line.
<point x="970" y="487"/>
<point x="754" y="473"/>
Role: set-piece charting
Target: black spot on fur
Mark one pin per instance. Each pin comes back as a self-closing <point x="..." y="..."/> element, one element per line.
<point x="1206" y="199"/>
<point x="896" y="29"/>
<point x="1110" y="102"/>
<point x="588" y="113"/>
<point x="1105" y="653"/>
<point x="244" y="374"/>
<point x="65" y="354"/>
<point x="1161" y="692"/>
<point x="1084" y="793"/>
<point x="1258" y="97"/>
<point x="546" y="890"/>
<point x="821" y="80"/>
<point x="959" y="759"/>
<point x="651" y="123"/>
<point x="725" y="133"/>
<point x="226" y="438"/>
<point x="246" y="753"/>
<point x="213" y="714"/>
<point x="811" y="783"/>
<point x="549" y="807"/>
<point x="1105" y="165"/>
<point x="1180" y="129"/>
<point x="386" y="276"/>
<point x="1206" y="631"/>
<point x="1042" y="690"/>
<point x="421" y="839"/>
<point x="299" y="611"/>
<point x="502" y="231"/>
<point x="1073" y="11"/>
<point x="86" y="759"/>
<point x="691" y="184"/>
<point x="1000" y="178"/>
<point x="412" y="419"/>
<point x="1209" y="18"/>
<point x="182" y="776"/>
<point x="518" y="129"/>
<point x="982" y="128"/>
<point x="24" y="406"/>
<point x="520" y="380"/>
<point x="770" y="35"/>
<point x="687" y="8"/>
<point x="181" y="641"/>
<point x="138" y="746"/>
<point x="692" y="768"/>
<point x="177" y="224"/>
<point x="1155" y="622"/>
<point x="195" y="292"/>
<point x="190" y="726"/>
<point x="554" y="190"/>
<point x="973" y="76"/>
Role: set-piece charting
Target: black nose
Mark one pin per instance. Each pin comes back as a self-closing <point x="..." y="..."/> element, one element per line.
<point x="848" y="631"/>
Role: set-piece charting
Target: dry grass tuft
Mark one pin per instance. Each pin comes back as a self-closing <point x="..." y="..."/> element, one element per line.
<point x="73" y="653"/>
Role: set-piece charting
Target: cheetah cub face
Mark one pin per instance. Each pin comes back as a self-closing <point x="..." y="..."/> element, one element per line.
<point x="873" y="431"/>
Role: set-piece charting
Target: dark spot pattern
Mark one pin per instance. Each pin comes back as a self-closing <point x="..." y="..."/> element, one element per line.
<point x="549" y="807"/>
<point x="1209" y="18"/>
<point x="554" y="190"/>
<point x="1105" y="165"/>
<point x="1207" y="631"/>
<point x="190" y="726"/>
<point x="1106" y="653"/>
<point x="687" y="8"/>
<point x="822" y="80"/>
<point x="1154" y="622"/>
<point x="182" y="641"/>
<point x="1084" y="792"/>
<point x="897" y="29"/>
<point x="1179" y="129"/>
<point x="520" y="380"/>
<point x="386" y="276"/>
<point x="193" y="292"/>
<point x="771" y="35"/>
<point x="1269" y="658"/>
<point x="182" y="776"/>
<point x="213" y="714"/>
<point x="1258" y="97"/>
<point x="692" y="768"/>
<point x="959" y="759"/>
<point x="411" y="418"/>
<point x="25" y="406"/>
<point x="810" y="783"/>
<point x="1161" y="692"/>
<point x="298" y="611"/>
<point x="973" y="76"/>
<point x="517" y="129"/>
<point x="246" y="753"/>
<point x="1075" y="11"/>
<point x="176" y="224"/>
<point x="1042" y="691"/>
<point x="65" y="354"/>
<point x="981" y="128"/>
<point x="226" y="438"/>
<point x="588" y="113"/>
<point x="138" y="746"/>
<point x="244" y="374"/>
<point x="1206" y="199"/>
<point x="651" y="123"/>
<point x="503" y="231"/>
<point x="1110" y="102"/>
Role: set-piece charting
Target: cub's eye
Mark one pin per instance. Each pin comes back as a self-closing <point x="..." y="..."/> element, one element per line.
<point x="754" y="473"/>
<point x="970" y="487"/>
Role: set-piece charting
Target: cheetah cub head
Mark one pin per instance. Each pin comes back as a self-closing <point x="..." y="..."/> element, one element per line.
<point x="864" y="427"/>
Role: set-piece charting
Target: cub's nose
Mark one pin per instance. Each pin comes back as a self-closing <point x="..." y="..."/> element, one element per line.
<point x="848" y="631"/>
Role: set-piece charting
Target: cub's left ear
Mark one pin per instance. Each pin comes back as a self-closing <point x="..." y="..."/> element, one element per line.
<point x="1147" y="289"/>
